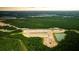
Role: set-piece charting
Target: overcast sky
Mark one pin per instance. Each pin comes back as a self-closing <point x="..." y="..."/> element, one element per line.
<point x="40" y="4"/>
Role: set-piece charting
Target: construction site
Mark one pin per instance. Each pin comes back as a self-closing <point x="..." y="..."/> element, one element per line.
<point x="47" y="34"/>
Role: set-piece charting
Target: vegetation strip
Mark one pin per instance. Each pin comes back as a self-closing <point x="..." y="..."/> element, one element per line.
<point x="22" y="45"/>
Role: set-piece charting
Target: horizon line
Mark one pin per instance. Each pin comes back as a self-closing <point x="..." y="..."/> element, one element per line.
<point x="33" y="9"/>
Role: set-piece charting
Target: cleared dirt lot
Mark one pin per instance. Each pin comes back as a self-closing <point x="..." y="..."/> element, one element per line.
<point x="47" y="35"/>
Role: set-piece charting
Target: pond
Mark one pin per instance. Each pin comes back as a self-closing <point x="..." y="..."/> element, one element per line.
<point x="60" y="36"/>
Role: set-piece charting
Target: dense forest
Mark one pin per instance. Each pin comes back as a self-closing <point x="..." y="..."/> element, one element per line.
<point x="46" y="22"/>
<point x="15" y="41"/>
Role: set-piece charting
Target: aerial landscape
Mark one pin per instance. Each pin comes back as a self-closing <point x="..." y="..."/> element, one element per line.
<point x="39" y="30"/>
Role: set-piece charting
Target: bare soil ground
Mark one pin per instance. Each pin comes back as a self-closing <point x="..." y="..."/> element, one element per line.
<point x="46" y="34"/>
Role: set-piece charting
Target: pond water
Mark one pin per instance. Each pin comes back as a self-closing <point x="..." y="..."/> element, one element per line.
<point x="60" y="36"/>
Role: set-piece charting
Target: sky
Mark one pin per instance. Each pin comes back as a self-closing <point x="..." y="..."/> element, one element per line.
<point x="39" y="4"/>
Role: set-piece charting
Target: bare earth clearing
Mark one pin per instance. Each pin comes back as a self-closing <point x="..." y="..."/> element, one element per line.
<point x="47" y="35"/>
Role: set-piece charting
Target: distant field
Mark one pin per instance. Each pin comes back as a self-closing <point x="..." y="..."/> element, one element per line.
<point x="46" y="22"/>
